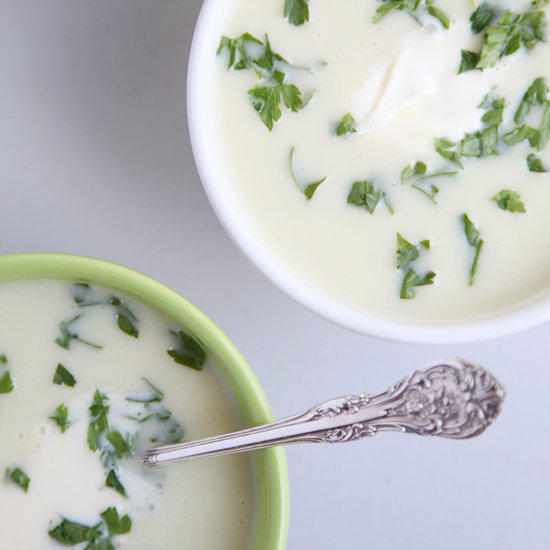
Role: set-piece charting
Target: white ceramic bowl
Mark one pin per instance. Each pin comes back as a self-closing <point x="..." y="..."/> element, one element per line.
<point x="219" y="188"/>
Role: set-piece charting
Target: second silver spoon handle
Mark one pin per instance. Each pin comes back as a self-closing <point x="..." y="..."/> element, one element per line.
<point x="449" y="398"/>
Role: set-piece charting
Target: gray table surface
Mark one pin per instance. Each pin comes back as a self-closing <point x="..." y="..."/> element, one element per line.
<point x="95" y="159"/>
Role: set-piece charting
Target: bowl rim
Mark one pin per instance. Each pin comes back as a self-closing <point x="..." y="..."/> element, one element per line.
<point x="273" y="489"/>
<point x="522" y="316"/>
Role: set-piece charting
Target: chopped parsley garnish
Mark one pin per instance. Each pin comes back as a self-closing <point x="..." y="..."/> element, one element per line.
<point x="413" y="8"/>
<point x="474" y="240"/>
<point x="248" y="52"/>
<point x="434" y="11"/>
<point x="115" y="524"/>
<point x="297" y="11"/>
<point x="417" y="176"/>
<point x="63" y="376"/>
<point x="19" y="478"/>
<point x="485" y="142"/>
<point x="6" y="383"/>
<point x="111" y="444"/>
<point x="120" y="445"/>
<point x="61" y="417"/>
<point x="544" y="128"/>
<point x="70" y="533"/>
<point x="534" y="164"/>
<point x="113" y="482"/>
<point x="521" y="133"/>
<point x="468" y="61"/>
<point x="68" y="336"/>
<point x="98" y="536"/>
<point x="366" y="195"/>
<point x="266" y="98"/>
<point x="98" y="423"/>
<point x="481" y="143"/>
<point x="154" y="396"/>
<point x="493" y="114"/>
<point x="170" y="431"/>
<point x="506" y="37"/>
<point x="407" y="253"/>
<point x="482" y="17"/>
<point x="346" y="126"/>
<point x="114" y="445"/>
<point x="188" y="352"/>
<point x="308" y="189"/>
<point x="443" y="146"/>
<point x="412" y="280"/>
<point x="239" y="58"/>
<point x="536" y="94"/>
<point x="126" y="320"/>
<point x="478" y="144"/>
<point x="509" y="201"/>
<point x="419" y="169"/>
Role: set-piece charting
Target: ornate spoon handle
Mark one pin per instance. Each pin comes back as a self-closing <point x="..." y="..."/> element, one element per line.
<point x="450" y="398"/>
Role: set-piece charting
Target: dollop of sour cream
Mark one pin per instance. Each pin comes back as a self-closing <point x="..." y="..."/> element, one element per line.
<point x="417" y="87"/>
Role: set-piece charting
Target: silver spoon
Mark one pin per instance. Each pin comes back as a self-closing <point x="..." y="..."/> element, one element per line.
<point x="450" y="398"/>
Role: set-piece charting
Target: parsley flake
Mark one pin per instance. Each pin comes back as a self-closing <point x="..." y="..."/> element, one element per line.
<point x="512" y="32"/>
<point x="113" y="482"/>
<point x="468" y="61"/>
<point x="482" y="17"/>
<point x="521" y="133"/>
<point x="366" y="195"/>
<point x="419" y="169"/>
<point x="98" y="423"/>
<point x="19" y="478"/>
<point x="509" y="200"/>
<point x="188" y="352"/>
<point x="412" y="280"/>
<point x="544" y="129"/>
<point x="443" y="147"/>
<point x="126" y="320"/>
<point x="414" y="8"/>
<point x="98" y="536"/>
<point x="239" y="57"/>
<point x="115" y="524"/>
<point x="63" y="376"/>
<point x="61" y="418"/>
<point x="297" y="11"/>
<point x="6" y="383"/>
<point x="272" y="90"/>
<point x="474" y="240"/>
<point x="534" y="164"/>
<point x="346" y="126"/>
<point x="535" y="95"/>
<point x="420" y="180"/>
<point x="308" y="189"/>
<point x="68" y="336"/>
<point x="407" y="253"/>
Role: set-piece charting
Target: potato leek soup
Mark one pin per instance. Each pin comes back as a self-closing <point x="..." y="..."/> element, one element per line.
<point x="87" y="379"/>
<point x="392" y="154"/>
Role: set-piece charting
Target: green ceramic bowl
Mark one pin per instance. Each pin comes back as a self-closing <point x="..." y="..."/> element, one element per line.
<point x="272" y="513"/>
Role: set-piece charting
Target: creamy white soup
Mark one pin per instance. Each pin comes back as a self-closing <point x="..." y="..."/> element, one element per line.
<point x="89" y="377"/>
<point x="392" y="154"/>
